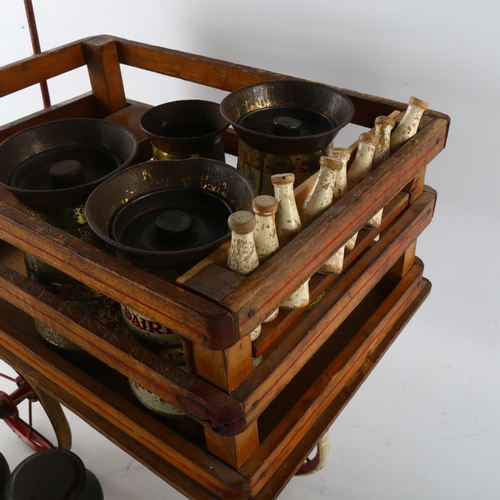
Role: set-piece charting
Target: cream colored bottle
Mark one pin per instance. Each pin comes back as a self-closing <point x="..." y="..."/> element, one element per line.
<point x="242" y="258"/>
<point x="335" y="263"/>
<point x="408" y="125"/>
<point x="383" y="129"/>
<point x="288" y="225"/>
<point x="264" y="233"/>
<point x="319" y="199"/>
<point x="361" y="168"/>
<point x="340" y="188"/>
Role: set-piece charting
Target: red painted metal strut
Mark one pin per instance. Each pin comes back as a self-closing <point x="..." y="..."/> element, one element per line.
<point x="10" y="415"/>
<point x="35" y="43"/>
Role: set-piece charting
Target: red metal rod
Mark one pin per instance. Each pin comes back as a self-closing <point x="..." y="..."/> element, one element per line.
<point x="3" y="375"/>
<point x="30" y="14"/>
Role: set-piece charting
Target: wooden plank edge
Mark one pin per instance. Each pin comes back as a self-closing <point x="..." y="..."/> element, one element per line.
<point x="275" y="371"/>
<point x="202" y="401"/>
<point x="271" y="453"/>
<point x="303" y="449"/>
<point x="43" y="365"/>
<point x="188" y="314"/>
<point x="230" y="76"/>
<point x="295" y="262"/>
<point x="40" y="67"/>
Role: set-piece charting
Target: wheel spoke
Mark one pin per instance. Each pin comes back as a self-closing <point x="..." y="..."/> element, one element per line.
<point x="3" y="375"/>
<point x="27" y="390"/>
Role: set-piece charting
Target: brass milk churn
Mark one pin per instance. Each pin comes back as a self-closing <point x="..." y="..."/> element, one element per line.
<point x="164" y="216"/>
<point x="51" y="169"/>
<point x="185" y="129"/>
<point x="285" y="126"/>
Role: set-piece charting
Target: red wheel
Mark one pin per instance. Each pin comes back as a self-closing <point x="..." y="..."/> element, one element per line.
<point x="24" y="429"/>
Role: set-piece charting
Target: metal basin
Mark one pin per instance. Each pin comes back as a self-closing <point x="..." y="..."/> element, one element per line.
<point x="185" y="129"/>
<point x="151" y="188"/>
<point x="58" y="164"/>
<point x="322" y="110"/>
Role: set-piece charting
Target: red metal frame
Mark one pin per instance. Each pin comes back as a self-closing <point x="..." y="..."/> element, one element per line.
<point x="35" y="43"/>
<point x="24" y="430"/>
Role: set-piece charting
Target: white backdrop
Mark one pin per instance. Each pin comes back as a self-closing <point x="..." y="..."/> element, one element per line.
<point x="426" y="424"/>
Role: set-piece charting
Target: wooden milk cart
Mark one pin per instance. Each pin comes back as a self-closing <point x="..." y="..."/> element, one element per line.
<point x="260" y="423"/>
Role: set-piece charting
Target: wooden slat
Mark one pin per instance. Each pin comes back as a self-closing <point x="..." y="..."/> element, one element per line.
<point x="194" y="68"/>
<point x="105" y="75"/>
<point x="191" y="316"/>
<point x="298" y="260"/>
<point x="183" y="389"/>
<point x="130" y="419"/>
<point x="38" y="68"/>
<point x="230" y="76"/>
<point x="276" y="370"/>
<point x="331" y="382"/>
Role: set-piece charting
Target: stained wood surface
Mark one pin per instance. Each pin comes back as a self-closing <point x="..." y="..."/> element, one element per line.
<point x="101" y="56"/>
<point x="306" y="337"/>
<point x="185" y="313"/>
<point x="182" y="389"/>
<point x="302" y="417"/>
<point x="36" y="69"/>
<point x="40" y="363"/>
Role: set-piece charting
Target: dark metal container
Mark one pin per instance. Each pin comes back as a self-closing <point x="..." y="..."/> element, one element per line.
<point x="186" y="129"/>
<point x="285" y="126"/>
<point x="4" y="475"/>
<point x="53" y="475"/>
<point x="51" y="169"/>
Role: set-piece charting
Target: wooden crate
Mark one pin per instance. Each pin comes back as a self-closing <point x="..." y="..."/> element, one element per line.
<point x="259" y="423"/>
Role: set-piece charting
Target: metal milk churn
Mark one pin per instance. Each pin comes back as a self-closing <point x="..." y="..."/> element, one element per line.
<point x="285" y="126"/>
<point x="164" y="216"/>
<point x="51" y="169"/>
<point x="185" y="129"/>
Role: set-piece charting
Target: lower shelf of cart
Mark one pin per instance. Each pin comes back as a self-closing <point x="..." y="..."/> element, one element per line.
<point x="288" y="428"/>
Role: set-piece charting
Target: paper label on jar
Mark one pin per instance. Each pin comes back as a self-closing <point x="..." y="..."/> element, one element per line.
<point x="147" y="329"/>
